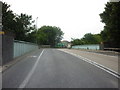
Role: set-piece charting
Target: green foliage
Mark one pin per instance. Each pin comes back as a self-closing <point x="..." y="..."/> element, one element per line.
<point x="111" y="18"/>
<point x="31" y="37"/>
<point x="49" y="35"/>
<point x="23" y="26"/>
<point x="77" y="42"/>
<point x="105" y="35"/>
<point x="87" y="39"/>
<point x="7" y="17"/>
<point x="19" y="25"/>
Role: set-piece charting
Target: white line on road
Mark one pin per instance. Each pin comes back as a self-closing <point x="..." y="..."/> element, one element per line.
<point x="26" y="80"/>
<point x="114" y="73"/>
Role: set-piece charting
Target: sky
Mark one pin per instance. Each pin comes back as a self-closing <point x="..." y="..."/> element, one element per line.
<point x="74" y="17"/>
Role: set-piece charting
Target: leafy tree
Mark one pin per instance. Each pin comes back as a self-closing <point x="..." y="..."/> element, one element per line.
<point x="105" y="35"/>
<point x="49" y="35"/>
<point x="91" y="38"/>
<point x="19" y="25"/>
<point x="111" y="18"/>
<point x="77" y="42"/>
<point x="7" y="18"/>
<point x="98" y="38"/>
<point x="32" y="36"/>
<point x="87" y="39"/>
<point x="23" y="26"/>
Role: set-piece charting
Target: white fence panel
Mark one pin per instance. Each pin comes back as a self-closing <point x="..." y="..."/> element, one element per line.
<point x="91" y="46"/>
<point x="21" y="47"/>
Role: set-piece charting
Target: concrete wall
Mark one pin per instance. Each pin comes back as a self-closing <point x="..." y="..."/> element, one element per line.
<point x="13" y="48"/>
<point x="7" y="47"/>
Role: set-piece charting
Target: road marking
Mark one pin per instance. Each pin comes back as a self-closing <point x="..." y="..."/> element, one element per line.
<point x="110" y="71"/>
<point x="32" y="56"/>
<point x="26" y="80"/>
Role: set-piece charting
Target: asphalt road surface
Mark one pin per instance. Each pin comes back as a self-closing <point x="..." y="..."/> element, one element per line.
<point x="51" y="68"/>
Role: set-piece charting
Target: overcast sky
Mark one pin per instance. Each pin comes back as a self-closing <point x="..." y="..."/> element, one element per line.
<point x="74" y="17"/>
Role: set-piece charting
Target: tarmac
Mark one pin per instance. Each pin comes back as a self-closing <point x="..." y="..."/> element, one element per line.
<point x="15" y="60"/>
<point x="108" y="59"/>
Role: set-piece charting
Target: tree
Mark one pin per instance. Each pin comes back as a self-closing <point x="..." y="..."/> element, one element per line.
<point x="77" y="42"/>
<point x="49" y="35"/>
<point x="32" y="36"/>
<point x="7" y="18"/>
<point x="19" y="25"/>
<point x="105" y="35"/>
<point x="88" y="38"/>
<point x="23" y="26"/>
<point x="111" y="18"/>
<point x="91" y="38"/>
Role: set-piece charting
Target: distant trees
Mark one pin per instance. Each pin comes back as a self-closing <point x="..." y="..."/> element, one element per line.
<point x="88" y="38"/>
<point x="49" y="35"/>
<point x="77" y="42"/>
<point x="111" y="18"/>
<point x="91" y="38"/>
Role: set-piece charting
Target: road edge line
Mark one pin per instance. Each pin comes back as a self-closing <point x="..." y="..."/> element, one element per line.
<point x="110" y="71"/>
<point x="26" y="80"/>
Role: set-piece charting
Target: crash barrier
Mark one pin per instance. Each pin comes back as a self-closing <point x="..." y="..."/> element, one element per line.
<point x="90" y="46"/>
<point x="22" y="47"/>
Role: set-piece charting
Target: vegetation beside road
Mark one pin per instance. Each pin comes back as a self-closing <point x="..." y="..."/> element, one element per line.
<point x="47" y="35"/>
<point x="111" y="32"/>
<point x="87" y="39"/>
<point x="19" y="25"/>
<point x="24" y="29"/>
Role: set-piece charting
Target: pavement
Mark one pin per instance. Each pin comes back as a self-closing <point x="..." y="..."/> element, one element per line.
<point x="52" y="68"/>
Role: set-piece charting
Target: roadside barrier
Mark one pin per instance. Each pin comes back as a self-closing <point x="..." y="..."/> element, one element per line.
<point x="90" y="46"/>
<point x="22" y="47"/>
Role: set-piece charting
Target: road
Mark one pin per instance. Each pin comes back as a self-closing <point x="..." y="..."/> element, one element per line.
<point x="51" y="68"/>
<point x="108" y="61"/>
